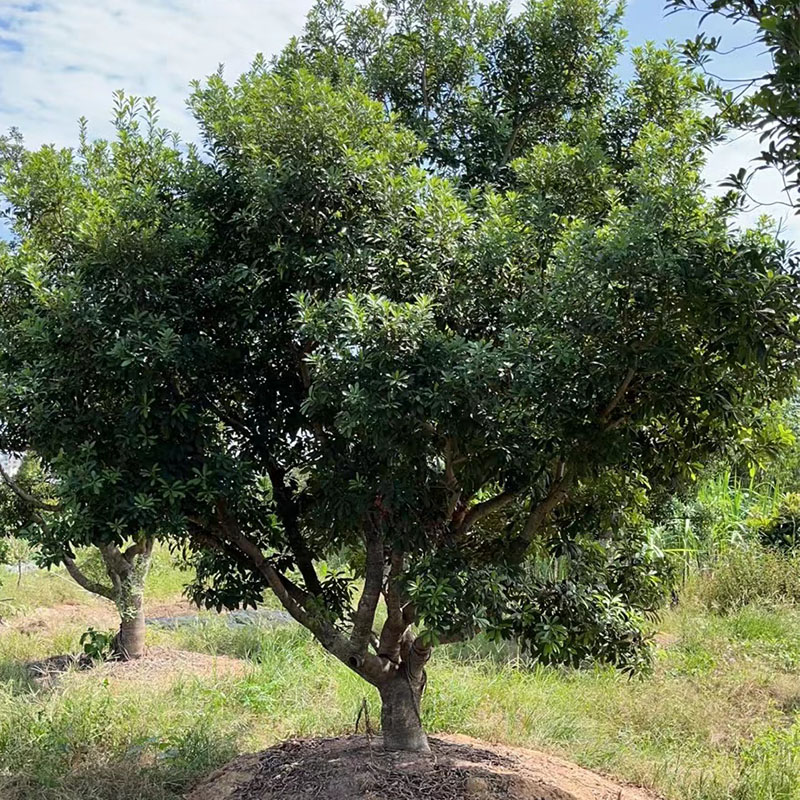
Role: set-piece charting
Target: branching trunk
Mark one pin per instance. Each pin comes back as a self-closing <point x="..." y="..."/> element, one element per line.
<point x="127" y="571"/>
<point x="396" y="670"/>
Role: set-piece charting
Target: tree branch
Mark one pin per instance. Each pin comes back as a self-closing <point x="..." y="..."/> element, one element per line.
<point x="396" y="623"/>
<point x="619" y="396"/>
<point x="142" y="547"/>
<point x="296" y="602"/>
<point x="82" y="580"/>
<point x="32" y="501"/>
<point x="556" y="494"/>
<point x="364" y="616"/>
<point x="477" y="512"/>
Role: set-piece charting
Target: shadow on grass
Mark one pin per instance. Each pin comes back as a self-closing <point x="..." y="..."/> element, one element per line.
<point x="23" y="677"/>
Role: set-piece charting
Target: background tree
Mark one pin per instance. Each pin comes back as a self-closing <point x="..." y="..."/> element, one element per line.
<point x="768" y="104"/>
<point x="43" y="528"/>
<point x="408" y="306"/>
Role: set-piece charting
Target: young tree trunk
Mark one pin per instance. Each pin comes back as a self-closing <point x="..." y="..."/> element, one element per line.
<point x="128" y="572"/>
<point x="129" y="641"/>
<point x="400" y="713"/>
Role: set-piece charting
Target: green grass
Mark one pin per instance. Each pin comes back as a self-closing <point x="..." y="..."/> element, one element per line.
<point x="44" y="588"/>
<point x="717" y="719"/>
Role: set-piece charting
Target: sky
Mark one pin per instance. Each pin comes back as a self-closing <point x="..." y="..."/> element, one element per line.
<point x="62" y="59"/>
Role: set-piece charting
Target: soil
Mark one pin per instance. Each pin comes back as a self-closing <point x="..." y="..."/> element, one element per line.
<point x="99" y="614"/>
<point x="158" y="663"/>
<point x="357" y="768"/>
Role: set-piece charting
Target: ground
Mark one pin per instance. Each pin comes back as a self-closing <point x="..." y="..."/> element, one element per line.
<point x="716" y="720"/>
<point x="357" y="768"/>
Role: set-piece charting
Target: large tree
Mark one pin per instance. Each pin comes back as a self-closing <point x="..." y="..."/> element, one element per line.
<point x="439" y="295"/>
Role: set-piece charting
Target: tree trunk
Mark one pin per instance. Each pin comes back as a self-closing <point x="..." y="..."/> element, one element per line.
<point x="129" y="599"/>
<point x="400" y="713"/>
<point x="129" y="641"/>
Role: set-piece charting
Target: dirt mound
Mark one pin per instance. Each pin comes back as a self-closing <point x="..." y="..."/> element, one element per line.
<point x="355" y="768"/>
<point x="161" y="663"/>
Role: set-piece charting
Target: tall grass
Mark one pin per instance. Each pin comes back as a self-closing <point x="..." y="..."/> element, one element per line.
<point x="713" y="722"/>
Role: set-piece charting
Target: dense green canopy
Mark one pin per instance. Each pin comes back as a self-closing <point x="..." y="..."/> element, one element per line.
<point x="436" y="294"/>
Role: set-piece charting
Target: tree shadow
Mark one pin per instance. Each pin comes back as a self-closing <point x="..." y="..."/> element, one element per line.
<point x="24" y="677"/>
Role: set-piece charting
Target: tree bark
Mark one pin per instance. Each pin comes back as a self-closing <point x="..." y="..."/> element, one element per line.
<point x="400" y="712"/>
<point x="129" y="641"/>
<point x="134" y="565"/>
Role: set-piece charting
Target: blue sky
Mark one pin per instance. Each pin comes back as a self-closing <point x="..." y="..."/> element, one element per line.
<point x="60" y="59"/>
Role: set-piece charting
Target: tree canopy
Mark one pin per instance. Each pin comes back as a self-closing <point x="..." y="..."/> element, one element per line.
<point x="436" y="297"/>
<point x="768" y="103"/>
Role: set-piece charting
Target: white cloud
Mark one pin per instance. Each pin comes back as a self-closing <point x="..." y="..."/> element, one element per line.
<point x="61" y="59"/>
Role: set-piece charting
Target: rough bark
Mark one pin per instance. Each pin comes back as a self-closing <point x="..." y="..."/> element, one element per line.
<point x="128" y="571"/>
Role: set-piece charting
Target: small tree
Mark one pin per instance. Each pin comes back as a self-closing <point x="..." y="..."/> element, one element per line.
<point x="440" y="296"/>
<point x="40" y="525"/>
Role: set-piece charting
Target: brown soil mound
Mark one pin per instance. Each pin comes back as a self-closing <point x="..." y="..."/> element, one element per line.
<point x="355" y="768"/>
<point x="161" y="663"/>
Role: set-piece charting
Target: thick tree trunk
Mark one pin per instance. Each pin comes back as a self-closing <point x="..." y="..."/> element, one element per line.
<point x="400" y="713"/>
<point x="129" y="641"/>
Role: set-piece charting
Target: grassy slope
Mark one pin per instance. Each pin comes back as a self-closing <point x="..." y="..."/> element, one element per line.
<point x="718" y="718"/>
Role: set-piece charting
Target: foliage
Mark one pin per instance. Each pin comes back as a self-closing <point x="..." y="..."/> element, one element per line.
<point x="402" y="305"/>
<point x="98" y="645"/>
<point x="779" y="529"/>
<point x="751" y="574"/>
<point x="770" y="103"/>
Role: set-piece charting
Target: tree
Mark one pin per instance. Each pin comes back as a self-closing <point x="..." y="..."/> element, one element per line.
<point x="440" y="296"/>
<point x="31" y="512"/>
<point x="768" y="104"/>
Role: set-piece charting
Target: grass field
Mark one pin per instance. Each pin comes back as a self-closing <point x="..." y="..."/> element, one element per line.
<point x="718" y="718"/>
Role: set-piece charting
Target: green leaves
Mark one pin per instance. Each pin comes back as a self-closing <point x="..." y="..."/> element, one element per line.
<point x="436" y="281"/>
<point x="767" y="104"/>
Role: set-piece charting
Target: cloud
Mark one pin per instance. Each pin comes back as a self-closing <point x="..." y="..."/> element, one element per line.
<point x="63" y="59"/>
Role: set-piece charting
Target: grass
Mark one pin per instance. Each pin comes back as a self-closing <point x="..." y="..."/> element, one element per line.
<point x="717" y="719"/>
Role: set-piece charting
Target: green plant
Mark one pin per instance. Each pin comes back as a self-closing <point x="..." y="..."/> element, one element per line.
<point x="98" y="645"/>
<point x="767" y="103"/>
<point x="441" y="292"/>
<point x="770" y="767"/>
<point x="779" y="530"/>
<point x="749" y="574"/>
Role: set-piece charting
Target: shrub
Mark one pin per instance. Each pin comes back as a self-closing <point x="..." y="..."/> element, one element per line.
<point x="749" y="574"/>
<point x="778" y="530"/>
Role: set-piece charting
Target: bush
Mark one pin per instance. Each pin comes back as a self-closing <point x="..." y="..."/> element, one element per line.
<point x="778" y="530"/>
<point x="749" y="574"/>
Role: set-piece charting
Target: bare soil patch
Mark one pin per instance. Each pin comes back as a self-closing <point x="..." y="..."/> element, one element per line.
<point x="159" y="665"/>
<point x="97" y="613"/>
<point x="356" y="768"/>
<point x="162" y="663"/>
